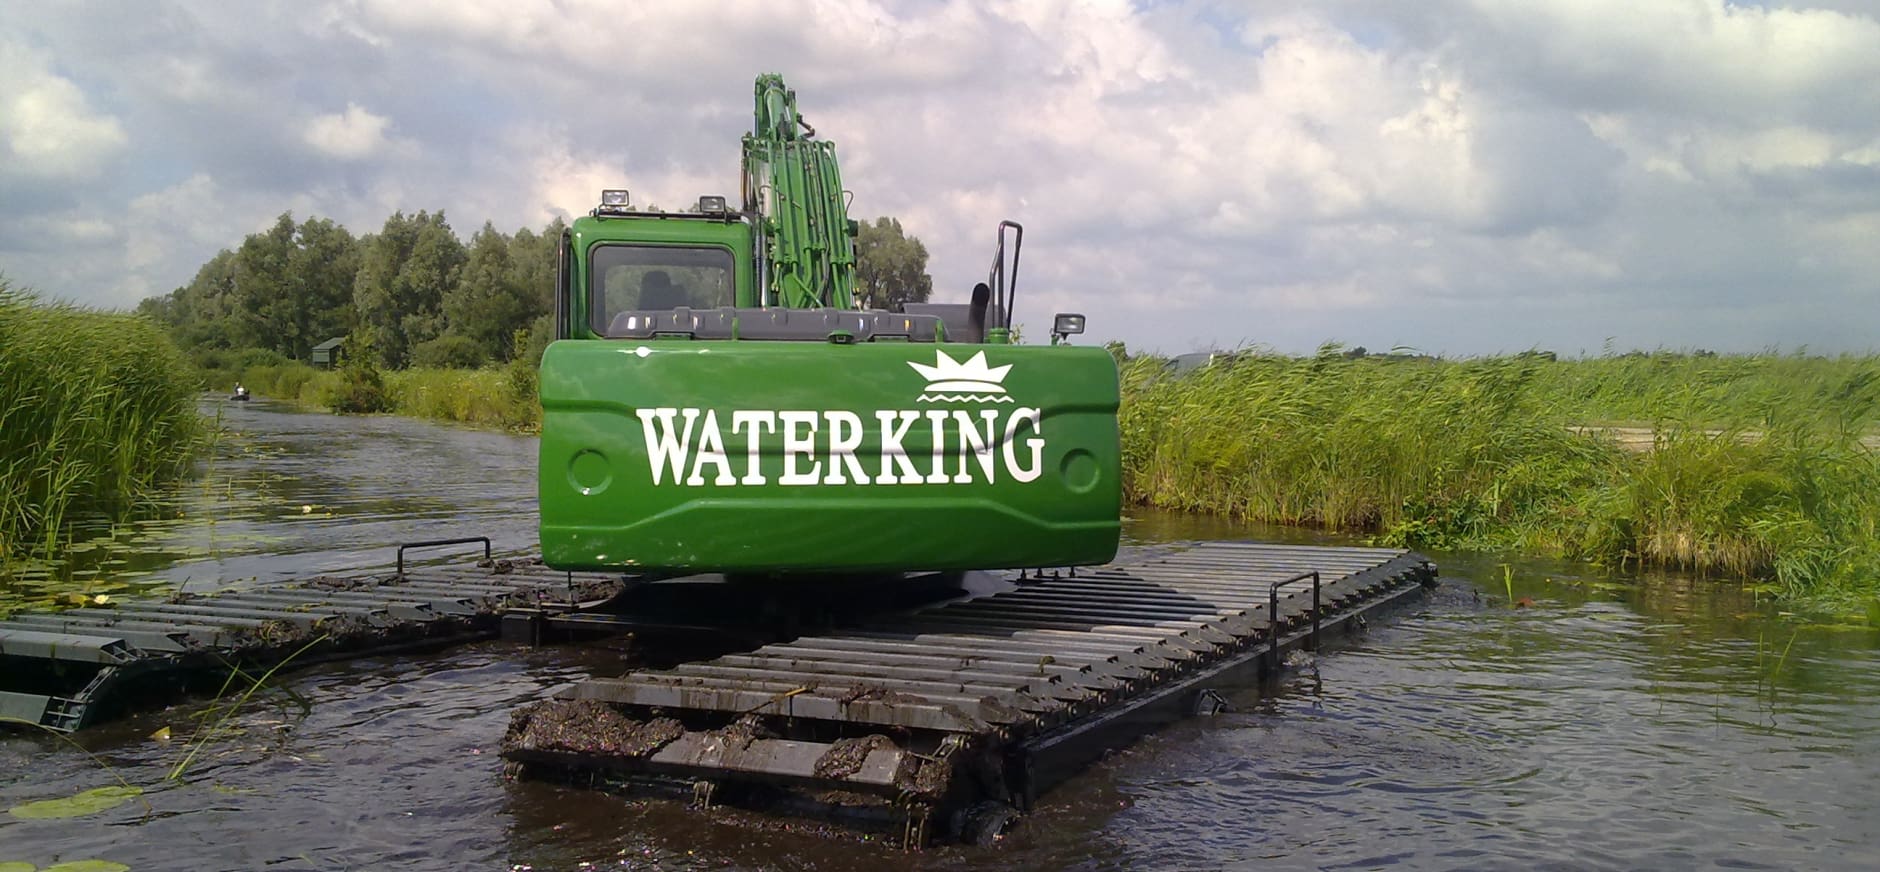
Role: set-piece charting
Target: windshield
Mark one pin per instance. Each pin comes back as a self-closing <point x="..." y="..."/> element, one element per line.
<point x="629" y="278"/>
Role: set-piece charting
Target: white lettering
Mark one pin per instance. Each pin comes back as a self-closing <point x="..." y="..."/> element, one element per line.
<point x="1035" y="443"/>
<point x="751" y="421"/>
<point x="662" y="451"/>
<point x="825" y="447"/>
<point x="892" y="454"/>
<point x="845" y="436"/>
<point x="795" y="443"/>
<point x="711" y="450"/>
<point x="938" y="419"/>
<point x="981" y="446"/>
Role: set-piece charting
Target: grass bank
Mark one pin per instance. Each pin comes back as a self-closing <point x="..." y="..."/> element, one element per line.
<point x="503" y="397"/>
<point x="1481" y="455"/>
<point x="97" y="410"/>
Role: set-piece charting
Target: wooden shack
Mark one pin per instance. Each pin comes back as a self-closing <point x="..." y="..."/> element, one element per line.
<point x="326" y="355"/>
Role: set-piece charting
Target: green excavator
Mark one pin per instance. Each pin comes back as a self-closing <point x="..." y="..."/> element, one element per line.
<point x="717" y="401"/>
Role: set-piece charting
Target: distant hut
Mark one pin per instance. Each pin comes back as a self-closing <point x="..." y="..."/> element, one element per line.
<point x="326" y="355"/>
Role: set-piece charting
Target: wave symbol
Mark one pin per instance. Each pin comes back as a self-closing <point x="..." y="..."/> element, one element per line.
<point x="965" y="398"/>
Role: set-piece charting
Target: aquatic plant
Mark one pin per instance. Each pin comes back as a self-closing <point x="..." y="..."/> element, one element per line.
<point x="491" y="397"/>
<point x="97" y="411"/>
<point x="1757" y="465"/>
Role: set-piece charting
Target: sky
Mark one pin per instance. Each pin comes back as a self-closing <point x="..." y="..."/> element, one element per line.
<point x="1458" y="177"/>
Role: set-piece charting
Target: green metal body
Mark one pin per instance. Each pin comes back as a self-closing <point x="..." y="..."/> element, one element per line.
<point x="672" y="447"/>
<point x="798" y="457"/>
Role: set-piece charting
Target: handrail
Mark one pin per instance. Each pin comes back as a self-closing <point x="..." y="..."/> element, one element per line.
<point x="1272" y="616"/>
<point x="436" y="543"/>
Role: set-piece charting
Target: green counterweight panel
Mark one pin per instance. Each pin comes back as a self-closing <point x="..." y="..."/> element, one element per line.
<point x="728" y="456"/>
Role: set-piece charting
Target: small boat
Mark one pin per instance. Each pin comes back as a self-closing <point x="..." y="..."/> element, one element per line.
<point x="240" y="395"/>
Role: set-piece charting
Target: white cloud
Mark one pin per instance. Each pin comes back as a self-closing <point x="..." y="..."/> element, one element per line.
<point x="1693" y="58"/>
<point x="47" y="124"/>
<point x="1448" y="174"/>
<point x="350" y="135"/>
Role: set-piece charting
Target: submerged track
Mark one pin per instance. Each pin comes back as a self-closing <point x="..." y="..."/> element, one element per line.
<point x="949" y="720"/>
<point x="68" y="670"/>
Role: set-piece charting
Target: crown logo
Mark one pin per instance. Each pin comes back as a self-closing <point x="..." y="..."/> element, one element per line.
<point x="948" y="379"/>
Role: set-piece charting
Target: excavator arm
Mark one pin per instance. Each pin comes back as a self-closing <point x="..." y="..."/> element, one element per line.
<point x="794" y="187"/>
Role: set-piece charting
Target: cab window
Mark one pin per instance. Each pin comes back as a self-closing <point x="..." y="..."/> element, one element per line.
<point x="640" y="278"/>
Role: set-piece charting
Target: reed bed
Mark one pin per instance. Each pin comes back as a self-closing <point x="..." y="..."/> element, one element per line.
<point x="97" y="411"/>
<point x="503" y="397"/>
<point x="1757" y="468"/>
<point x="491" y="397"/>
<point x="1740" y="391"/>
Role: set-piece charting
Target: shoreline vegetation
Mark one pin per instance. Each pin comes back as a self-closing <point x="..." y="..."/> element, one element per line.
<point x="502" y="397"/>
<point x="1757" y="467"/>
<point x="97" y="413"/>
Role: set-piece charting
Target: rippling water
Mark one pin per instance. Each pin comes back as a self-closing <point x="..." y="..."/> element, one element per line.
<point x="1621" y="723"/>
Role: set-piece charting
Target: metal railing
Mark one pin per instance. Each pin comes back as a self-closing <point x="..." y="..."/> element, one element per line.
<point x="438" y="543"/>
<point x="1272" y="616"/>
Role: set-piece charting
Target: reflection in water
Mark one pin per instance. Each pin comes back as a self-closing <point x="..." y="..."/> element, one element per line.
<point x="1616" y="722"/>
<point x="286" y="493"/>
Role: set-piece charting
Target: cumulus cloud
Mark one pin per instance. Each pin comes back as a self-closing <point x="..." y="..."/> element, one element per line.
<point x="1458" y="175"/>
<point x="350" y="135"/>
<point x="47" y="124"/>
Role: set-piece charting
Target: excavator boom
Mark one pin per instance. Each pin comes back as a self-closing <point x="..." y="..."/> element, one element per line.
<point x="793" y="186"/>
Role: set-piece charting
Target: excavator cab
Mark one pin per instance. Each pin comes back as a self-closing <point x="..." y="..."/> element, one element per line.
<point x="716" y="402"/>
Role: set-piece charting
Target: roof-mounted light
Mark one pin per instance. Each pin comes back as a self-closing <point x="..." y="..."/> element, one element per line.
<point x="1066" y="325"/>
<point x="712" y="205"/>
<point x="614" y="198"/>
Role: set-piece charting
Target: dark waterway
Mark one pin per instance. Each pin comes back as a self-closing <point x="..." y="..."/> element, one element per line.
<point x="1614" y="723"/>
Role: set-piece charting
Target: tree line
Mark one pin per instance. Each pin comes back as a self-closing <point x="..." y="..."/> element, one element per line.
<point x="414" y="294"/>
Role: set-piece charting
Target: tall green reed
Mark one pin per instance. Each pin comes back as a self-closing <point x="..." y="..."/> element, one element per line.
<point x="97" y="410"/>
<point x="1757" y="468"/>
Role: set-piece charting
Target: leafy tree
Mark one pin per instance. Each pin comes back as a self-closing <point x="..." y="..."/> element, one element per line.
<point x="532" y="262"/>
<point x="203" y="307"/>
<point x="404" y="272"/>
<point x="284" y="289"/>
<point x="261" y="302"/>
<point x="361" y="388"/>
<point x="320" y="274"/>
<point x="534" y="343"/>
<point x="489" y="303"/>
<point x="891" y="267"/>
<point x="449" y="352"/>
<point x="163" y="310"/>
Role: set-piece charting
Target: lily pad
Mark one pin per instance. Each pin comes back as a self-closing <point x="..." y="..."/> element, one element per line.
<point x="89" y="802"/>
<point x="88" y="866"/>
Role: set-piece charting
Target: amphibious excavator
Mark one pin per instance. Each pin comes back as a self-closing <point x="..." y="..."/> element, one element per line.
<point x="718" y="401"/>
<point x="718" y="405"/>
